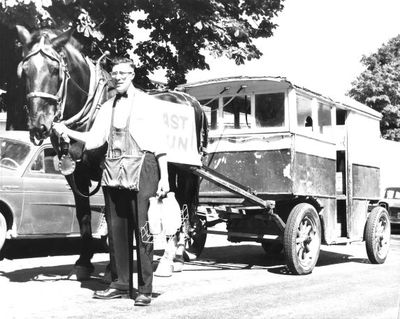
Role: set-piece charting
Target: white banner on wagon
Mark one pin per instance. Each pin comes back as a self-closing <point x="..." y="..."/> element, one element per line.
<point x="180" y="127"/>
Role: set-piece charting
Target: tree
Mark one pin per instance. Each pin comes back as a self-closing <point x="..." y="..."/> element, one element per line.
<point x="378" y="86"/>
<point x="180" y="32"/>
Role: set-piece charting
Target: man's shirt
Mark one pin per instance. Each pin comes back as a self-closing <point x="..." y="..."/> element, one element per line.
<point x="145" y="125"/>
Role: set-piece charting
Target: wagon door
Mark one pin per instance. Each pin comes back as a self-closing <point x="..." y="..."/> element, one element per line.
<point x="363" y="181"/>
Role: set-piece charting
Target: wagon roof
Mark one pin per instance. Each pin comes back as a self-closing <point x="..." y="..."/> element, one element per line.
<point x="344" y="102"/>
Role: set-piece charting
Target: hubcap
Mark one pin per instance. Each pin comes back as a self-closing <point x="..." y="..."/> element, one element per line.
<point x="382" y="237"/>
<point x="306" y="241"/>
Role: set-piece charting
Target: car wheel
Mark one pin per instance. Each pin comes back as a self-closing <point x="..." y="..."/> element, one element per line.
<point x="377" y="235"/>
<point x="3" y="230"/>
<point x="302" y="239"/>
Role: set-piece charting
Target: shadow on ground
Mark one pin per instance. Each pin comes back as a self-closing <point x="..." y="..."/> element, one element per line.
<point x="231" y="257"/>
<point x="28" y="248"/>
<point x="253" y="257"/>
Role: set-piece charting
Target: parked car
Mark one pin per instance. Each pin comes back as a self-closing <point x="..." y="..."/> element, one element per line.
<point x="391" y="202"/>
<point x="35" y="198"/>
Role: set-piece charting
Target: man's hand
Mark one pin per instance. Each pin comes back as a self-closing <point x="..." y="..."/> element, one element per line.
<point x="61" y="130"/>
<point x="163" y="187"/>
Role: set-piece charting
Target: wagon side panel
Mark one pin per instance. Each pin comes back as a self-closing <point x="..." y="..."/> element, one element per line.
<point x="264" y="171"/>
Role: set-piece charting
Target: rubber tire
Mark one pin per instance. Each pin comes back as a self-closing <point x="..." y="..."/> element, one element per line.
<point x="3" y="230"/>
<point x="377" y="235"/>
<point x="300" y="214"/>
<point x="197" y="237"/>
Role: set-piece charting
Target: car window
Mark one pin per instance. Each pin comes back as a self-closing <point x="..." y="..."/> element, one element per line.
<point x="397" y="195"/>
<point x="13" y="153"/>
<point x="389" y="193"/>
<point x="46" y="162"/>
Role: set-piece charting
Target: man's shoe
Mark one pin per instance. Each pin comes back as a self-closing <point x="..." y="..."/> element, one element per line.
<point x="143" y="300"/>
<point x="110" y="293"/>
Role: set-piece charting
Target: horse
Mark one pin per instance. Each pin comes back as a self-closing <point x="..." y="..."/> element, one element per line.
<point x="58" y="81"/>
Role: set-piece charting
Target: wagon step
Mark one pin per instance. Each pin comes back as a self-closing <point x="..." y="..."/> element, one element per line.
<point x="236" y="188"/>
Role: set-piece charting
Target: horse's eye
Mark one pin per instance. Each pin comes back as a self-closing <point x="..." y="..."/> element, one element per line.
<point x="53" y="69"/>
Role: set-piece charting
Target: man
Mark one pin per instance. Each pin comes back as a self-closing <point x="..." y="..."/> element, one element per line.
<point x="136" y="157"/>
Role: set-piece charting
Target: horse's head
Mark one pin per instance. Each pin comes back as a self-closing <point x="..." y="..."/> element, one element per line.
<point x="45" y="75"/>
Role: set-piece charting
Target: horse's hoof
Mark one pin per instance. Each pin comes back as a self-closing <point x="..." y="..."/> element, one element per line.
<point x="164" y="269"/>
<point x="188" y="256"/>
<point x="81" y="273"/>
<point x="178" y="264"/>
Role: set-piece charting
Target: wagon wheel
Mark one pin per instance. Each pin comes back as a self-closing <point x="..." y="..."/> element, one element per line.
<point x="195" y="230"/>
<point x="3" y="230"/>
<point x="302" y="239"/>
<point x="377" y="235"/>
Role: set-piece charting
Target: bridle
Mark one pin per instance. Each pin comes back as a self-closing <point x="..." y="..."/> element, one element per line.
<point x="66" y="163"/>
<point x="60" y="96"/>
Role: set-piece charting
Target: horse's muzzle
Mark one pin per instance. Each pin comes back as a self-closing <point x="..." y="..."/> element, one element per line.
<point x="37" y="135"/>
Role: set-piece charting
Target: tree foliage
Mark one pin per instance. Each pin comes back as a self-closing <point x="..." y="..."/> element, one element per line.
<point x="378" y="86"/>
<point x="180" y="32"/>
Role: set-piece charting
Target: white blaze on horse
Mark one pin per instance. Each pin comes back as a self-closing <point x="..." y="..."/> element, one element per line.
<point x="62" y="84"/>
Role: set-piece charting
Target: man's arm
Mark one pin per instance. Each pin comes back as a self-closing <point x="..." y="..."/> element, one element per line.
<point x="163" y="184"/>
<point x="95" y="137"/>
<point x="66" y="133"/>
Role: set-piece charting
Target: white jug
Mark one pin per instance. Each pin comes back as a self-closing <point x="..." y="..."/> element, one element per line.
<point x="171" y="215"/>
<point x="154" y="216"/>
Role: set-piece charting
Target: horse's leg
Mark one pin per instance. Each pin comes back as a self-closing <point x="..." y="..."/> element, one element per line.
<point x="186" y="195"/>
<point x="83" y="265"/>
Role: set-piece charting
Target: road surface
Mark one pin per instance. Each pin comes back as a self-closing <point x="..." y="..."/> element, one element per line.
<point x="227" y="281"/>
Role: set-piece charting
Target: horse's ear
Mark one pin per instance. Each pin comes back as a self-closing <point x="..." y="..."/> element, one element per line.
<point x="62" y="39"/>
<point x="24" y="35"/>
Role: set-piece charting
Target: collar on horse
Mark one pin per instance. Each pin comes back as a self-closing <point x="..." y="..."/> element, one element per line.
<point x="60" y="97"/>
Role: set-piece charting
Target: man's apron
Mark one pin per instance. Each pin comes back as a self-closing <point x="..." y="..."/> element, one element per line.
<point x="124" y="159"/>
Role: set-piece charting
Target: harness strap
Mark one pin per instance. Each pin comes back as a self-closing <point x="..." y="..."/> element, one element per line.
<point x="77" y="118"/>
<point x="42" y="95"/>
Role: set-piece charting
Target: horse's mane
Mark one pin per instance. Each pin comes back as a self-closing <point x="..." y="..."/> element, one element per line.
<point x="51" y="34"/>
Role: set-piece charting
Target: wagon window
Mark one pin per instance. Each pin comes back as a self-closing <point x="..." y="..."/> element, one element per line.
<point x="211" y="110"/>
<point x="304" y="112"/>
<point x="270" y="110"/>
<point x="324" y="117"/>
<point x="236" y="111"/>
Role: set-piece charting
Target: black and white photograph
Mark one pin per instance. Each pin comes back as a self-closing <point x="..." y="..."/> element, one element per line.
<point x="232" y="159"/>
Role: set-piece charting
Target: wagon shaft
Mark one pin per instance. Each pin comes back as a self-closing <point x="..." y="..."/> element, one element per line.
<point x="236" y="188"/>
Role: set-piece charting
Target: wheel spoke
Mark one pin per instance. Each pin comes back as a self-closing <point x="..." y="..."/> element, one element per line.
<point x="308" y="229"/>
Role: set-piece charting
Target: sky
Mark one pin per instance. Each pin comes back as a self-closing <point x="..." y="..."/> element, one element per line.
<point x="318" y="44"/>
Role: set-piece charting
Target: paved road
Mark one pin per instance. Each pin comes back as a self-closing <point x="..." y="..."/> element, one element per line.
<point x="228" y="281"/>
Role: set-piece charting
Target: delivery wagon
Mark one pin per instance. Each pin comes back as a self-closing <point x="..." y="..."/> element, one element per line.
<point x="289" y="168"/>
